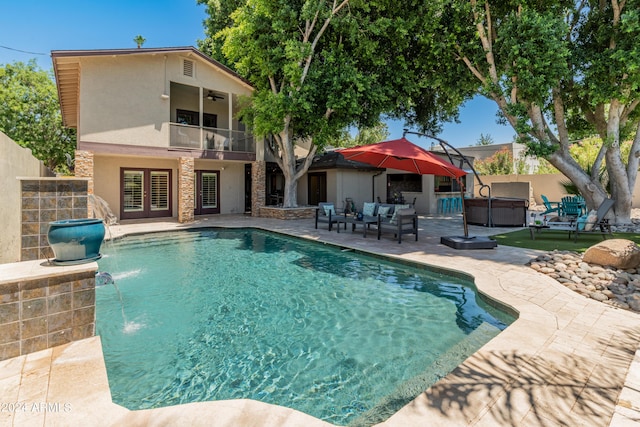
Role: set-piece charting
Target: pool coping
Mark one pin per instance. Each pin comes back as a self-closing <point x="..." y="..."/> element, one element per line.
<point x="564" y="361"/>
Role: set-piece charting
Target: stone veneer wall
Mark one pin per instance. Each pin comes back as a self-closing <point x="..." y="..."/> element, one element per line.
<point x="83" y="168"/>
<point x="303" y="212"/>
<point x="186" y="189"/>
<point x="38" y="313"/>
<point x="44" y="200"/>
<point x="258" y="185"/>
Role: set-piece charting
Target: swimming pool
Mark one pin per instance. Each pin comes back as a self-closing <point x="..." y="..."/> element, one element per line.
<point x="220" y="314"/>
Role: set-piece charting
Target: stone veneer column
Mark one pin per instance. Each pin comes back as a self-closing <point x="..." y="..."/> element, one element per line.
<point x="83" y="168"/>
<point x="258" y="183"/>
<point x="186" y="189"/>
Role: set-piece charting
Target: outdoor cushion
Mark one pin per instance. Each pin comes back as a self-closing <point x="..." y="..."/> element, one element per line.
<point x="591" y="220"/>
<point x="383" y="210"/>
<point x="368" y="209"/>
<point x="329" y="209"/>
<point x="395" y="211"/>
<point x="582" y="221"/>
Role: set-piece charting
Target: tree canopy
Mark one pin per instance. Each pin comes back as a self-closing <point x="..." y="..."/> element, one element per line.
<point x="320" y="67"/>
<point x="558" y="71"/>
<point x="30" y="114"/>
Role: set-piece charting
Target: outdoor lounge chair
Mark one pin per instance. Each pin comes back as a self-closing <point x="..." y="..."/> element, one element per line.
<point x="600" y="224"/>
<point x="584" y="224"/>
<point x="326" y="212"/>
<point x="549" y="206"/>
<point x="405" y="221"/>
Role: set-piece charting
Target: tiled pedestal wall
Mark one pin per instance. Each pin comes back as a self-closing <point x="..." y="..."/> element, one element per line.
<point x="44" y="200"/>
<point x="38" y="312"/>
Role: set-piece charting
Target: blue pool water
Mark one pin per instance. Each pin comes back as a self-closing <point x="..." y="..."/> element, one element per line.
<point x="226" y="314"/>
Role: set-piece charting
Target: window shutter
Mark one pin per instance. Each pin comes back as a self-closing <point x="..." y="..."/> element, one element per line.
<point x="159" y="190"/>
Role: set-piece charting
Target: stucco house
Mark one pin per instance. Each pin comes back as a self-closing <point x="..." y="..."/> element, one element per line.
<point x="158" y="133"/>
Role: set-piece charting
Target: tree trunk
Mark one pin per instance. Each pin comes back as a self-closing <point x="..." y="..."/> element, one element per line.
<point x="286" y="160"/>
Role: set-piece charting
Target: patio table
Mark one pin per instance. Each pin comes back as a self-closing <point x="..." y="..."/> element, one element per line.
<point x="365" y="222"/>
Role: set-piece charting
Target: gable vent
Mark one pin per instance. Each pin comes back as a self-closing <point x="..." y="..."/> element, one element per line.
<point x="187" y="68"/>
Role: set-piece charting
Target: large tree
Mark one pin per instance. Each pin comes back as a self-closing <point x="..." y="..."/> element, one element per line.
<point x="30" y="114"/>
<point x="557" y="70"/>
<point x="318" y="67"/>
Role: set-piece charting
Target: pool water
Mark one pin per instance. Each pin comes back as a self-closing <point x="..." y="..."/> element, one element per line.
<point x="218" y="314"/>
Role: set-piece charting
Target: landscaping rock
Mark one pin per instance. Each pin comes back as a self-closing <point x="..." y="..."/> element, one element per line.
<point x="618" y="253"/>
<point x="616" y="286"/>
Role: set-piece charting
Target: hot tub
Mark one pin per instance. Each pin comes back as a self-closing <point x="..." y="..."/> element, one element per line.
<point x="505" y="212"/>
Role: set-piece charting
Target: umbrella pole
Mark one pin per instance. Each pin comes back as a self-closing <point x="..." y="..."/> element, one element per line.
<point x="464" y="212"/>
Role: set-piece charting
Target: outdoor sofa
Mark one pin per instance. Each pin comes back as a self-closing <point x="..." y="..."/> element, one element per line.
<point x="404" y="221"/>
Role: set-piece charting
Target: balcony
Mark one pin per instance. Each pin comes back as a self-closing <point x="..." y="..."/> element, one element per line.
<point x="213" y="139"/>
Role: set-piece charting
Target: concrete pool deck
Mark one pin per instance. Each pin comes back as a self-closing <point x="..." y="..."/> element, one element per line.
<point x="567" y="360"/>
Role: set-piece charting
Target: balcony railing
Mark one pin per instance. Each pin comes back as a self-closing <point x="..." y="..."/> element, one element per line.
<point x="216" y="139"/>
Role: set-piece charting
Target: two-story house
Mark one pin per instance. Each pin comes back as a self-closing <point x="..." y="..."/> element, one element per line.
<point x="157" y="130"/>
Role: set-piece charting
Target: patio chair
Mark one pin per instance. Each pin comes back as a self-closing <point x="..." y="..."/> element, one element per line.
<point x="404" y="221"/>
<point x="572" y="206"/>
<point x="549" y="206"/>
<point x="326" y="213"/>
<point x="598" y="224"/>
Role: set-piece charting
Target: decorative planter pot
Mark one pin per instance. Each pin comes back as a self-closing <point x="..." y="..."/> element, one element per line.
<point x="76" y="241"/>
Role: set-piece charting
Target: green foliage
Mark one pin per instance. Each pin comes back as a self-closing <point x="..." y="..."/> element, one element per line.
<point x="544" y="167"/>
<point x="364" y="136"/>
<point x="485" y="140"/>
<point x="30" y="114"/>
<point x="532" y="46"/>
<point x="139" y="40"/>
<point x="500" y="163"/>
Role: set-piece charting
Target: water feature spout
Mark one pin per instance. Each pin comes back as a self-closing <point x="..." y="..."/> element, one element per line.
<point x="103" y="278"/>
<point x="101" y="209"/>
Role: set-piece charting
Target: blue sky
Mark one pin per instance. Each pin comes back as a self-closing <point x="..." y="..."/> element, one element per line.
<point x="40" y="26"/>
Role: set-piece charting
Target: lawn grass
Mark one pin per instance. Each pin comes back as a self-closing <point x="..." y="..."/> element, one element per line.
<point x="549" y="240"/>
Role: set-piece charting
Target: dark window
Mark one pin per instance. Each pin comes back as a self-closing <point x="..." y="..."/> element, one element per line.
<point x="210" y="120"/>
<point x="186" y="117"/>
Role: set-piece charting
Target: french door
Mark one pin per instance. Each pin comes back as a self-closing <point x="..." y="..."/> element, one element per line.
<point x="145" y="193"/>
<point x="207" y="192"/>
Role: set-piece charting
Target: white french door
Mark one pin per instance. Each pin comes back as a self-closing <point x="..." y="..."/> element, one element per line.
<point x="207" y="188"/>
<point x="145" y="193"/>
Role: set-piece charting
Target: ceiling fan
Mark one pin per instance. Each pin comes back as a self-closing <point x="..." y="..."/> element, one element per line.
<point x="211" y="96"/>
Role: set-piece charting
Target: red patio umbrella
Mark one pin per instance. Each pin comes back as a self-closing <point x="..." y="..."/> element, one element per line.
<point x="404" y="155"/>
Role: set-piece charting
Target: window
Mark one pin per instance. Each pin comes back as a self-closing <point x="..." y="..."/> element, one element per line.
<point x="186" y="117"/>
<point x="192" y="118"/>
<point x="445" y="184"/>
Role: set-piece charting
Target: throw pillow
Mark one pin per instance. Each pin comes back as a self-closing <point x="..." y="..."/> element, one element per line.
<point x="329" y="209"/>
<point x="395" y="211"/>
<point x="383" y="211"/>
<point x="591" y="220"/>
<point x="368" y="209"/>
<point x="582" y="222"/>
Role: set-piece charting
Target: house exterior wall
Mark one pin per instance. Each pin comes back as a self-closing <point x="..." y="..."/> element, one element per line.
<point x="107" y="177"/>
<point x="358" y="185"/>
<point x="231" y="184"/>
<point x="121" y="97"/>
<point x="15" y="161"/>
<point x="107" y="180"/>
